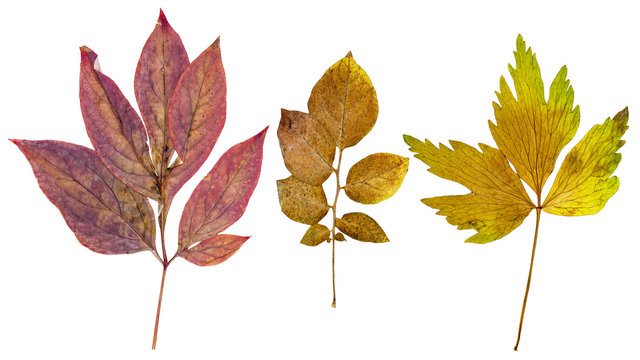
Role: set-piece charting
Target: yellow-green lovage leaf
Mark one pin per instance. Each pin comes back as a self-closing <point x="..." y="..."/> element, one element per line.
<point x="531" y="130"/>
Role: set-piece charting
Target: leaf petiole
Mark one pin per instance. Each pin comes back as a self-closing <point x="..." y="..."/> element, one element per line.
<point x="333" y="227"/>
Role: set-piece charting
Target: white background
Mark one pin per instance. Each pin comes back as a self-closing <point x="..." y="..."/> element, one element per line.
<point x="426" y="294"/>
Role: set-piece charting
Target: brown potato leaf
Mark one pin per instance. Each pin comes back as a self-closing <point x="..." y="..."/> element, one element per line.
<point x="307" y="147"/>
<point x="376" y="177"/>
<point x="316" y="235"/>
<point x="361" y="227"/>
<point x="345" y="102"/>
<point x="302" y="202"/>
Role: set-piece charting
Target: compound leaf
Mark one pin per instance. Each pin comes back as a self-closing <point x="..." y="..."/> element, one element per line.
<point x="376" y="177"/>
<point x="584" y="183"/>
<point x="161" y="63"/>
<point x="529" y="130"/>
<point x="498" y="202"/>
<point x="345" y="102"/>
<point x="114" y="128"/>
<point x="302" y="202"/>
<point x="214" y="250"/>
<point x="316" y="235"/>
<point x="104" y="214"/>
<point x="222" y="196"/>
<point x="361" y="227"/>
<point x="307" y="147"/>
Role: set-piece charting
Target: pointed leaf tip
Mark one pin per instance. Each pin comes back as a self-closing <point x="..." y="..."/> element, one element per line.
<point x="162" y="19"/>
<point x="349" y="54"/>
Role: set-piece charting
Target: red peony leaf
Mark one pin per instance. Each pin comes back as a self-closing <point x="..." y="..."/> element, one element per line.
<point x="115" y="129"/>
<point x="104" y="214"/>
<point x="222" y="196"/>
<point x="197" y="112"/>
<point x="161" y="63"/>
<point x="214" y="250"/>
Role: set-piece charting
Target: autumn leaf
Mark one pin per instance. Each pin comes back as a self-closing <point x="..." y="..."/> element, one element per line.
<point x="161" y="63"/>
<point x="530" y="130"/>
<point x="104" y="214"/>
<point x="102" y="194"/>
<point x="343" y="108"/>
<point x="115" y="129"/>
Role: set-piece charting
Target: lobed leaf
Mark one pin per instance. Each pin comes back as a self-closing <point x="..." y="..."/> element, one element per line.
<point x="196" y="116"/>
<point x="214" y="250"/>
<point x="583" y="185"/>
<point x="114" y="128"/>
<point x="498" y="202"/>
<point x="361" y="227"/>
<point x="530" y="131"/>
<point x="105" y="215"/>
<point x="344" y="102"/>
<point x="307" y="147"/>
<point x="316" y="235"/>
<point x="376" y="177"/>
<point x="161" y="63"/>
<point x="222" y="196"/>
<point x="302" y="202"/>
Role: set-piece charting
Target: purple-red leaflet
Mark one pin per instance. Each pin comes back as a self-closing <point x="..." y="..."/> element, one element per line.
<point x="161" y="63"/>
<point x="197" y="112"/>
<point x="222" y="196"/>
<point x="105" y="215"/>
<point x="114" y="128"/>
<point x="214" y="250"/>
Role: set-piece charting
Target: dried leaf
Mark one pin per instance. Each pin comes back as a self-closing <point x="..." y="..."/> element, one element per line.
<point x="103" y="213"/>
<point x="376" y="177"/>
<point x="307" y="147"/>
<point x="345" y="102"/>
<point x="161" y="63"/>
<point x="115" y="129"/>
<point x="498" y="202"/>
<point x="340" y="237"/>
<point x="302" y="202"/>
<point x="361" y="227"/>
<point x="583" y="184"/>
<point x="316" y="235"/>
<point x="530" y="134"/>
<point x="530" y="131"/>
<point x="214" y="250"/>
<point x="222" y="196"/>
<point x="197" y="113"/>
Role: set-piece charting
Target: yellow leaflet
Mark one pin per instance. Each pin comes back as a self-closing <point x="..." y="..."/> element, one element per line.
<point x="583" y="184"/>
<point x="344" y="102"/>
<point x="498" y="202"/>
<point x="530" y="131"/>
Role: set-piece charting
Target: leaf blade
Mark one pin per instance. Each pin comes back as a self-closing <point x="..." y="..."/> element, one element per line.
<point x="114" y="128"/>
<point x="162" y="61"/>
<point x="307" y="147"/>
<point x="498" y="202"/>
<point x="361" y="227"/>
<point x="214" y="250"/>
<point x="530" y="130"/>
<point x="315" y="235"/>
<point x="302" y="202"/>
<point x="345" y="102"/>
<point x="222" y="196"/>
<point x="102" y="212"/>
<point x="376" y="177"/>
<point x="583" y="184"/>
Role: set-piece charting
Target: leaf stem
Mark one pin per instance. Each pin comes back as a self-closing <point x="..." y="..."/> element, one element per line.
<point x="526" y="293"/>
<point x="333" y="227"/>
<point x="155" y="331"/>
